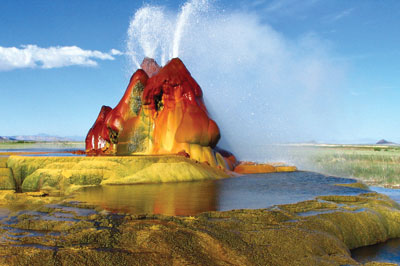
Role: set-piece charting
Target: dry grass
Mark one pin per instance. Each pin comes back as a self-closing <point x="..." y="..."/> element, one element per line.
<point x="372" y="164"/>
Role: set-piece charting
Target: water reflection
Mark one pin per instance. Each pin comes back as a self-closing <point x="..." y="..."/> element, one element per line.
<point x="190" y="198"/>
<point x="185" y="198"/>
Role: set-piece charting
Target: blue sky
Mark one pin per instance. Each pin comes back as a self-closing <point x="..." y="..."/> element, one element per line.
<point x="323" y="70"/>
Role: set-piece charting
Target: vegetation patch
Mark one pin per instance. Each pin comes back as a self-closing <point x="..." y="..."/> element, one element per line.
<point x="373" y="165"/>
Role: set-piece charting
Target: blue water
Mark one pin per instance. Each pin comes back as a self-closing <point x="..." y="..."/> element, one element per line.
<point x="265" y="190"/>
<point x="394" y="194"/>
<point x="190" y="198"/>
<point x="51" y="151"/>
<point x="388" y="251"/>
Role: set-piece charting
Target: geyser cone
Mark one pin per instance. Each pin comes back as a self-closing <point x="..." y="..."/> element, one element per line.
<point x="163" y="114"/>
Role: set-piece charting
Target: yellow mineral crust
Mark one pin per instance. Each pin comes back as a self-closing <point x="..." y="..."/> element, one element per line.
<point x="255" y="168"/>
<point x="66" y="174"/>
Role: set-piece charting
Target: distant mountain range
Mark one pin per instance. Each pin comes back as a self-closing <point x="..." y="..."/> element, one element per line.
<point x="40" y="138"/>
<point x="385" y="142"/>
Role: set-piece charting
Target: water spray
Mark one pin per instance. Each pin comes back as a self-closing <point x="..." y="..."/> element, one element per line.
<point x="153" y="33"/>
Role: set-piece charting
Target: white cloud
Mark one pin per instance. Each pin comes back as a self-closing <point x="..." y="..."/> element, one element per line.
<point x="116" y="52"/>
<point x="32" y="56"/>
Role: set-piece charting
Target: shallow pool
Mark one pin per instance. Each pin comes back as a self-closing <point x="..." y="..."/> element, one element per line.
<point x="190" y="198"/>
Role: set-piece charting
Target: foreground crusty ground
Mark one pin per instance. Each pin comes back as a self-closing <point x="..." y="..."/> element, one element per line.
<point x="315" y="232"/>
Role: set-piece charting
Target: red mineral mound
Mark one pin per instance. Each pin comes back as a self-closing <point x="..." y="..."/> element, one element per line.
<point x="97" y="135"/>
<point x="163" y="114"/>
<point x="175" y="101"/>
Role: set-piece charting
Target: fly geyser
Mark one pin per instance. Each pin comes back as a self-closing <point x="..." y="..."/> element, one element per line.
<point x="161" y="112"/>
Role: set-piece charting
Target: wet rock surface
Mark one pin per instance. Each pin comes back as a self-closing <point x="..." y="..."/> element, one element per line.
<point x="314" y="232"/>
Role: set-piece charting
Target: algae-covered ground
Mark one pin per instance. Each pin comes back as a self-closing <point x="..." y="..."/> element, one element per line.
<point x="66" y="174"/>
<point x="314" y="232"/>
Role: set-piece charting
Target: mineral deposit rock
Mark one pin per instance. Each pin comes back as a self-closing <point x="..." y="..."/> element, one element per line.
<point x="150" y="66"/>
<point x="96" y="138"/>
<point x="161" y="112"/>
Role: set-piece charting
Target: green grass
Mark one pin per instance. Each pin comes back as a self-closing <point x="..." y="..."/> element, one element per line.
<point x="373" y="164"/>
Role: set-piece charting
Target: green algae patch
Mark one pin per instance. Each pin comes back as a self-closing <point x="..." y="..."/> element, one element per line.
<point x="374" y="263"/>
<point x="67" y="174"/>
<point x="13" y="200"/>
<point x="3" y="162"/>
<point x="6" y="195"/>
<point x="361" y="220"/>
<point x="354" y="185"/>
<point x="309" y="205"/>
<point x="6" y="179"/>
